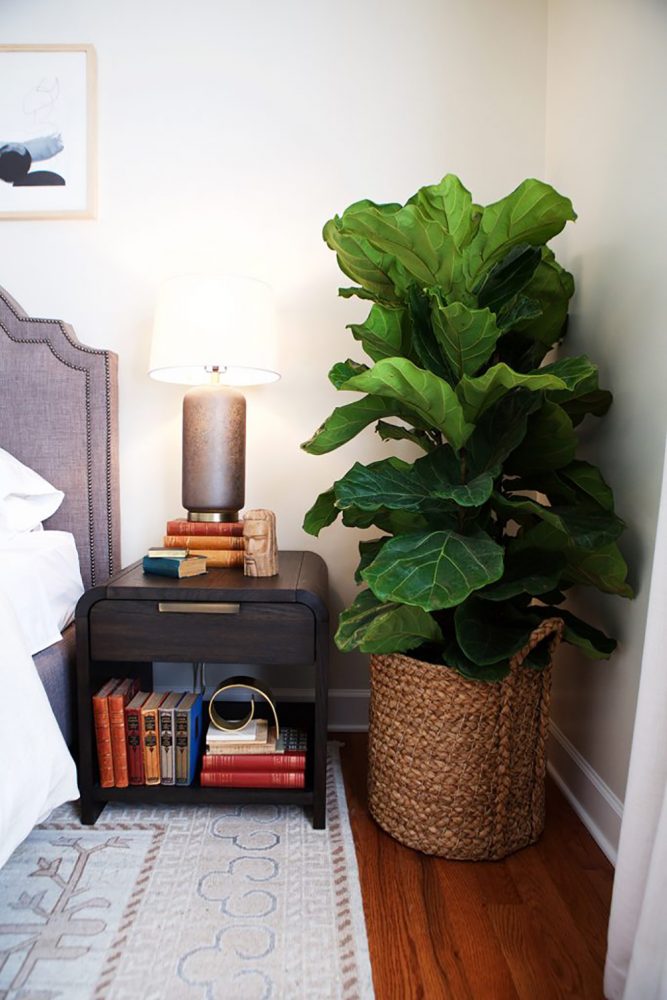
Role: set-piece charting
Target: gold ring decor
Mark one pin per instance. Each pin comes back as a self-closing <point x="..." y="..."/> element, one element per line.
<point x="244" y="684"/>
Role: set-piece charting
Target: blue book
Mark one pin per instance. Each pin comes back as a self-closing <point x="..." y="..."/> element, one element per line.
<point x="188" y="726"/>
<point x="177" y="566"/>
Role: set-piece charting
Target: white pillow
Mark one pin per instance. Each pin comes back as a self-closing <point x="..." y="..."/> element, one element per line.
<point x="25" y="498"/>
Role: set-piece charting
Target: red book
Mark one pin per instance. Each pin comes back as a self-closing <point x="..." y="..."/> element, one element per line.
<point x="254" y="762"/>
<point x="184" y="527"/>
<point x="135" y="751"/>
<point x="118" y="699"/>
<point x="253" y="779"/>
<point x="103" y="732"/>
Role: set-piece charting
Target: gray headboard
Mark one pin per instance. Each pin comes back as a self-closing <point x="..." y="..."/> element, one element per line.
<point x="59" y="415"/>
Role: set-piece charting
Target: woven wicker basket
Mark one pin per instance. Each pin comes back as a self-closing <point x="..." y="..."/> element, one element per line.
<point x="456" y="767"/>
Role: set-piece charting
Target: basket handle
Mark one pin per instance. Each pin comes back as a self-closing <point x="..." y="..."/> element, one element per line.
<point x="550" y="626"/>
<point x="553" y="627"/>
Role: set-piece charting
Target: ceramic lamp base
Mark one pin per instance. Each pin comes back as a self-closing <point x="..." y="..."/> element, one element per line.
<point x="213" y="453"/>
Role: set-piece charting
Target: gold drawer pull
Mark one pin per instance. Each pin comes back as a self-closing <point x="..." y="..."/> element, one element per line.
<point x="199" y="608"/>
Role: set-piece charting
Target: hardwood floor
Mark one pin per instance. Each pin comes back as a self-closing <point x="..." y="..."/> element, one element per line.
<point x="531" y="927"/>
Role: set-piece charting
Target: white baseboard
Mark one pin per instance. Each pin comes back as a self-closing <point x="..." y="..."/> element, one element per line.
<point x="598" y="808"/>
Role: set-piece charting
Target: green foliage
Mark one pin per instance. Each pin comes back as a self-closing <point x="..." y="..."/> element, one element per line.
<point x="495" y="519"/>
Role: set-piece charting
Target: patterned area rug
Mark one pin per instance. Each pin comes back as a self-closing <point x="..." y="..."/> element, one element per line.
<point x="172" y="903"/>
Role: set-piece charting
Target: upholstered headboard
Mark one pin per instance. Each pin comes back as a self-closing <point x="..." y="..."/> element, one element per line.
<point x="59" y="415"/>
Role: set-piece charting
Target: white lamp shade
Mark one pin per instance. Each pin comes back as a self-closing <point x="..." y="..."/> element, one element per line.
<point x="221" y="321"/>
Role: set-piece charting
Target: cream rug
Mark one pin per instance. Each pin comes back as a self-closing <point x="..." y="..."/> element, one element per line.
<point x="172" y="903"/>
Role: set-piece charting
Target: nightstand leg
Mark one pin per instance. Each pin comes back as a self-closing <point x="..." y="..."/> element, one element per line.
<point x="90" y="812"/>
<point x="320" y="748"/>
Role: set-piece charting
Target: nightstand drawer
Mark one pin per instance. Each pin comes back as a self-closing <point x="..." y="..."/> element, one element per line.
<point x="190" y="631"/>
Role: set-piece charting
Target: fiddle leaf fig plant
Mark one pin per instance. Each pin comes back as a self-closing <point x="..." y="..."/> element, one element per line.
<point x="481" y="537"/>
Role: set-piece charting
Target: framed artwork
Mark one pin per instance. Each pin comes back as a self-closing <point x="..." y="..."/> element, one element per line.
<point x="47" y="132"/>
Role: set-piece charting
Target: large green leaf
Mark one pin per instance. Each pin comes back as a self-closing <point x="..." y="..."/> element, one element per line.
<point x="550" y="443"/>
<point x="579" y="374"/>
<point x="466" y="336"/>
<point x="396" y="432"/>
<point x="401" y="245"/>
<point x="367" y="552"/>
<point x="455" y="658"/>
<point x="445" y="476"/>
<point x="500" y="430"/>
<point x="344" y="370"/>
<point x="419" y="391"/>
<point x="432" y="570"/>
<point x="384" y="333"/>
<point x="479" y="393"/>
<point x="388" y="483"/>
<point x="592" y="642"/>
<point x="428" y="349"/>
<point x="502" y="284"/>
<point x="533" y="213"/>
<point x="530" y="571"/>
<point x="587" y="527"/>
<point x="449" y="204"/>
<point x="420" y="487"/>
<point x="553" y="287"/>
<point x="346" y="421"/>
<point x="360" y="260"/>
<point x="588" y="479"/>
<point x="374" y="626"/>
<point x="488" y="633"/>
<point x="322" y="513"/>
<point x="596" y="403"/>
<point x="604" y="568"/>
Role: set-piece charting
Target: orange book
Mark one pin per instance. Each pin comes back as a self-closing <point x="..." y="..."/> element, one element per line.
<point x="149" y="737"/>
<point x="181" y="526"/>
<point x="196" y="542"/>
<point x="117" y="700"/>
<point x="221" y="558"/>
<point x="103" y="732"/>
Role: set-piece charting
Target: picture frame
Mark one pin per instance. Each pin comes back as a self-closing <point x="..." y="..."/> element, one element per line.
<point x="47" y="132"/>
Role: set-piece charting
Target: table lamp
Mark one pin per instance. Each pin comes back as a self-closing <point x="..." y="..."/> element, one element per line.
<point x="214" y="332"/>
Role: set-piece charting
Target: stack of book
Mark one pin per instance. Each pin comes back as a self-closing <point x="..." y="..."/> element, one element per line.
<point x="146" y="738"/>
<point x="221" y="542"/>
<point x="254" y="758"/>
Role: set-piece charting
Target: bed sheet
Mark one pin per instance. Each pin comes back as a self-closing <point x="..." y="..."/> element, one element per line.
<point x="40" y="773"/>
<point x="41" y="580"/>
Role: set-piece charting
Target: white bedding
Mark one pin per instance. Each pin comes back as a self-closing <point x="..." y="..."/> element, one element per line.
<point x="39" y="773"/>
<point x="41" y="580"/>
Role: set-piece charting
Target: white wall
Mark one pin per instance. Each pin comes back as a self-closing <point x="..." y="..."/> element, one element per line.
<point x="606" y="147"/>
<point x="228" y="134"/>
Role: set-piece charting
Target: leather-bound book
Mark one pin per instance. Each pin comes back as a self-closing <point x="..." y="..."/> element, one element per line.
<point x="103" y="733"/>
<point x="182" y="526"/>
<point x="149" y="737"/>
<point x="117" y="700"/>
<point x="193" y="543"/>
<point x="167" y="729"/>
<point x="135" y="751"/>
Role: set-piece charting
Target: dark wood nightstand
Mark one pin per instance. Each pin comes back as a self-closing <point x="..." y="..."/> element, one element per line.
<point x="134" y="620"/>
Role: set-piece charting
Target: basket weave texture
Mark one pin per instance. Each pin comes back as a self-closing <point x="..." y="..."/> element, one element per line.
<point x="456" y="767"/>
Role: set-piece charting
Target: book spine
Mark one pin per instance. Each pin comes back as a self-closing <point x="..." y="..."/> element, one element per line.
<point x="196" y="542"/>
<point x="135" y="755"/>
<point x="181" y="740"/>
<point x="103" y="740"/>
<point x="253" y="779"/>
<point x="162" y="567"/>
<point x="117" y="703"/>
<point x="150" y="746"/>
<point x="184" y="527"/>
<point x="221" y="557"/>
<point x="257" y="762"/>
<point x="167" y="773"/>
